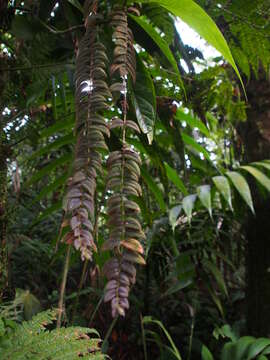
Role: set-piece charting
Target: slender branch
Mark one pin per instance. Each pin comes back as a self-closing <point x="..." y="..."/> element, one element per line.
<point x="143" y="338"/>
<point x="63" y="288"/>
<point x="36" y="66"/>
<point x="105" y="341"/>
<point x="59" y="32"/>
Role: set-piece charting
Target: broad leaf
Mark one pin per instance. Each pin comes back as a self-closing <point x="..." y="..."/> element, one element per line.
<point x="188" y="205"/>
<point x="76" y="4"/>
<point x="61" y="141"/>
<point x="48" y="168"/>
<point x="153" y="188"/>
<point x="188" y="140"/>
<point x="242" y="347"/>
<point x="206" y="355"/>
<point x="161" y="43"/>
<point x="223" y="186"/>
<point x="173" y="215"/>
<point x="143" y="98"/>
<point x="264" y="164"/>
<point x="193" y="15"/>
<point x="242" y="187"/>
<point x="217" y="275"/>
<point x="204" y="194"/>
<point x="58" y="126"/>
<point x="60" y="181"/>
<point x="257" y="347"/>
<point x="192" y="122"/>
<point x="264" y="180"/>
<point x="174" y="177"/>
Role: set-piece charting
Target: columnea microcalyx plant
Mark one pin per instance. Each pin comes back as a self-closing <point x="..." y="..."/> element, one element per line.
<point x="100" y="84"/>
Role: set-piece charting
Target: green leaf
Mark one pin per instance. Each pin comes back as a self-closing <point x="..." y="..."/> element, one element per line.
<point x="173" y="176"/>
<point x="188" y="140"/>
<point x="143" y="98"/>
<point x="193" y="15"/>
<point x="223" y="186"/>
<point x="263" y="179"/>
<point x="48" y="212"/>
<point x="161" y="43"/>
<point x="149" y="319"/>
<point x="242" y="347"/>
<point x="264" y="164"/>
<point x="204" y="194"/>
<point x="154" y="189"/>
<point x="257" y="347"/>
<point x="266" y="351"/>
<point x="58" y="126"/>
<point x="61" y="180"/>
<point x="206" y="355"/>
<point x="31" y="304"/>
<point x="227" y="352"/>
<point x="216" y="300"/>
<point x="76" y="4"/>
<point x="23" y="28"/>
<point x="192" y="122"/>
<point x="173" y="215"/>
<point x="188" y="205"/>
<point x="217" y="275"/>
<point x="64" y="140"/>
<point x="242" y="187"/>
<point x="48" y="168"/>
<point x="225" y="332"/>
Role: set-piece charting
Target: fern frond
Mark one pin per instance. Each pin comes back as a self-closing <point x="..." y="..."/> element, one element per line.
<point x="32" y="340"/>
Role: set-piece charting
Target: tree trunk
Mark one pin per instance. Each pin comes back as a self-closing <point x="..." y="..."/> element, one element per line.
<point x="3" y="219"/>
<point x="255" y="134"/>
<point x="3" y="189"/>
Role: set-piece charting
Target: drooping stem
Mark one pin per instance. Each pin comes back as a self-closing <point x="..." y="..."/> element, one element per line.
<point x="143" y="338"/>
<point x="63" y="288"/>
<point x="82" y="279"/>
<point x="105" y="341"/>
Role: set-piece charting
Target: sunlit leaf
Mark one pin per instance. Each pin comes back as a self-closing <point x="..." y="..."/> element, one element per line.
<point x="192" y="122"/>
<point x="188" y="140"/>
<point x="204" y="194"/>
<point x="143" y="98"/>
<point x="223" y="186"/>
<point x="161" y="43"/>
<point x="188" y="205"/>
<point x="263" y="179"/>
<point x="206" y="355"/>
<point x="154" y="189"/>
<point x="192" y="14"/>
<point x="173" y="215"/>
<point x="242" y="187"/>
<point x="174" y="177"/>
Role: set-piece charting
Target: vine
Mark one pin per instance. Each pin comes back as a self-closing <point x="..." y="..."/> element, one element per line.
<point x="125" y="230"/>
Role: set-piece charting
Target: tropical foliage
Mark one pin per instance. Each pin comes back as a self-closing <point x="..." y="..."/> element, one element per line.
<point x="120" y="145"/>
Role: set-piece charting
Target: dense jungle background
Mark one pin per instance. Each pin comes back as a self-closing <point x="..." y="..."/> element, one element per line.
<point x="134" y="180"/>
